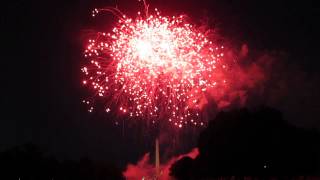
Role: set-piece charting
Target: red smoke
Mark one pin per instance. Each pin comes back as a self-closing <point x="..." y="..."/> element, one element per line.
<point x="144" y="169"/>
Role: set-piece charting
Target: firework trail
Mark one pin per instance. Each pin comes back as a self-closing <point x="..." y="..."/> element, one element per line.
<point x="155" y="67"/>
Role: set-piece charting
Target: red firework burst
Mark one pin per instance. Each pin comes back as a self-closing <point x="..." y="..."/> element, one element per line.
<point x="155" y="67"/>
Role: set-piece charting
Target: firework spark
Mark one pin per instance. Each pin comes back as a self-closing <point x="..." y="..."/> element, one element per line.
<point x="155" y="67"/>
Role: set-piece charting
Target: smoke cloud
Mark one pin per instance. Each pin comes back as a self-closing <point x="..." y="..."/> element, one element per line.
<point x="270" y="78"/>
<point x="144" y="169"/>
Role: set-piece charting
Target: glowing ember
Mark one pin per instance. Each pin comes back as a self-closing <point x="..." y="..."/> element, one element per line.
<point x="155" y="67"/>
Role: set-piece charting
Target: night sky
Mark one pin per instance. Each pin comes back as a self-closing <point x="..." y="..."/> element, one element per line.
<point x="42" y="56"/>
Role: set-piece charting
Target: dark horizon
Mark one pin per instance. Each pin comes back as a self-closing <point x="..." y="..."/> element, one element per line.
<point x="240" y="142"/>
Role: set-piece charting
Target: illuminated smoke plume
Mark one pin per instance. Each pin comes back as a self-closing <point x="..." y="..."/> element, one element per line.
<point x="158" y="68"/>
<point x="144" y="169"/>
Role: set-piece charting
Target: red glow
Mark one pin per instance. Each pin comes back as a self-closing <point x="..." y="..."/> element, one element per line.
<point x="144" y="169"/>
<point x="155" y="67"/>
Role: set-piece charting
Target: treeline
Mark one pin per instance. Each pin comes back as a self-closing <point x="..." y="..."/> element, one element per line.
<point x="28" y="162"/>
<point x="252" y="143"/>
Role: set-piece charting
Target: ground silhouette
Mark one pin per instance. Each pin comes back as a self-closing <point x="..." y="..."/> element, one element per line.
<point x="252" y="143"/>
<point x="29" y="162"/>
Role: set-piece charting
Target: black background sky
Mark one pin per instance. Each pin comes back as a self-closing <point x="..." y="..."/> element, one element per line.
<point x="42" y="43"/>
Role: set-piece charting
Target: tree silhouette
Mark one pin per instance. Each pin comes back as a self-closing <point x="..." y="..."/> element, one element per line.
<point x="259" y="142"/>
<point x="29" y="162"/>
